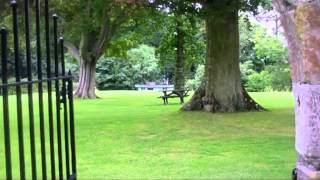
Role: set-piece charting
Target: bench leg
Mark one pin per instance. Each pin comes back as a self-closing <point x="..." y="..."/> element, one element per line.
<point x="165" y="100"/>
<point x="181" y="100"/>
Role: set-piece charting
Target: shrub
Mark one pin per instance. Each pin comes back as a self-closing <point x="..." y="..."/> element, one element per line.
<point x="257" y="82"/>
<point x="193" y="84"/>
<point x="274" y="78"/>
<point x="279" y="78"/>
<point x="113" y="73"/>
<point x="246" y="70"/>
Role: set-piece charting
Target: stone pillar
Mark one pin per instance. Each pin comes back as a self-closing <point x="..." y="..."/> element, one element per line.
<point x="307" y="98"/>
<point x="301" y="22"/>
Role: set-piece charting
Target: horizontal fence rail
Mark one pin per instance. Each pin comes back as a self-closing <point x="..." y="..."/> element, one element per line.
<point x="38" y="132"/>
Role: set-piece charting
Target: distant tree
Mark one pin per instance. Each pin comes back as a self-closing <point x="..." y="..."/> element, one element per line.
<point x="145" y="64"/>
<point x="179" y="76"/>
<point x="248" y="54"/>
<point x="91" y="26"/>
<point x="183" y="15"/>
<point x="194" y="46"/>
<point x="269" y="48"/>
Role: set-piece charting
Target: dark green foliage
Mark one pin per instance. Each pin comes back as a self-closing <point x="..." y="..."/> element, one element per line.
<point x="264" y="59"/>
<point x="139" y="66"/>
<point x="6" y="22"/>
<point x="166" y="38"/>
<point x="193" y="84"/>
<point x="194" y="47"/>
<point x="81" y="17"/>
<point x="279" y="77"/>
<point x="113" y="73"/>
<point x="273" y="78"/>
<point x="257" y="82"/>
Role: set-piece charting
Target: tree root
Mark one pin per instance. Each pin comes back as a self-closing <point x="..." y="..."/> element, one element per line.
<point x="82" y="96"/>
<point x="197" y="102"/>
<point x="251" y="104"/>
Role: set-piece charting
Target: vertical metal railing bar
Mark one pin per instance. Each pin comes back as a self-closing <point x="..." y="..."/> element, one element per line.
<point x="72" y="128"/>
<point x="57" y="86"/>
<point x="65" y="109"/>
<point x="17" y="63"/>
<point x="49" y="88"/>
<point x="6" y="121"/>
<point x="30" y="91"/>
<point x="65" y="96"/>
<point x="40" y="89"/>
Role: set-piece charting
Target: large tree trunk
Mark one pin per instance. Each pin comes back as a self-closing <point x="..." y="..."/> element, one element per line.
<point x="87" y="83"/>
<point x="93" y="44"/>
<point x="87" y="59"/>
<point x="221" y="90"/>
<point x="179" y="80"/>
<point x="301" y="22"/>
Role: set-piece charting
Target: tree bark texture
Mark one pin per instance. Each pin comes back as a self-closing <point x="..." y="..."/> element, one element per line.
<point x="301" y="22"/>
<point x="179" y="80"/>
<point x="87" y="64"/>
<point x="221" y="89"/>
<point x="87" y="81"/>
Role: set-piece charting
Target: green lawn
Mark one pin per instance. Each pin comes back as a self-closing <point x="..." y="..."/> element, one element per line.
<point x="131" y="135"/>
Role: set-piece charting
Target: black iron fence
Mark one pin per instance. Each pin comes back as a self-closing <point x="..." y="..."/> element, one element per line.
<point x="50" y="118"/>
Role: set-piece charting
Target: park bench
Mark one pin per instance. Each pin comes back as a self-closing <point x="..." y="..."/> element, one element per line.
<point x="154" y="87"/>
<point x="174" y="94"/>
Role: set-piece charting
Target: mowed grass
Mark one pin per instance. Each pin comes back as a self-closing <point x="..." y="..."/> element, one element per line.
<point x="131" y="135"/>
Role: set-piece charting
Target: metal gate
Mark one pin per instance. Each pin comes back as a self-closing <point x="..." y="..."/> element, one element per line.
<point x="46" y="117"/>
